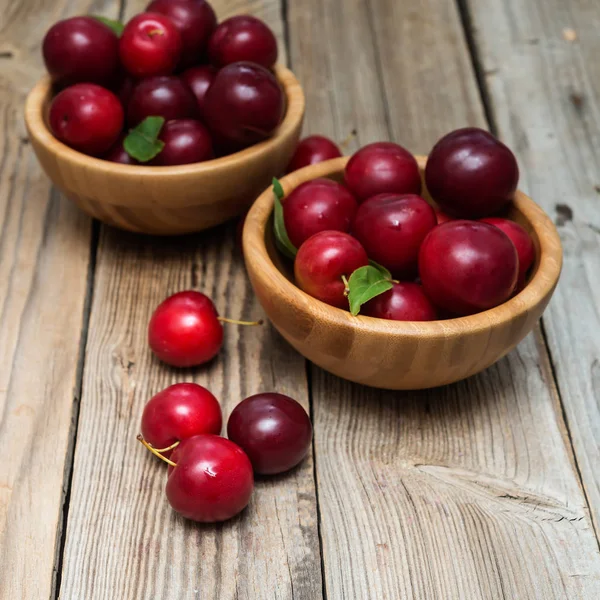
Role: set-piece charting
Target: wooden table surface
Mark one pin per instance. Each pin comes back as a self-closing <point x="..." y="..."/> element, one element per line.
<point x="489" y="488"/>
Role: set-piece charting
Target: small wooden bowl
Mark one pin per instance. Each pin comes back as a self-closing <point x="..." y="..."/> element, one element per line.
<point x="394" y="354"/>
<point x="165" y="200"/>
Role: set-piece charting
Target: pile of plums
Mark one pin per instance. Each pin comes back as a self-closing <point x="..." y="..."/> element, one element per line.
<point x="455" y="259"/>
<point x="211" y="478"/>
<point x="211" y="85"/>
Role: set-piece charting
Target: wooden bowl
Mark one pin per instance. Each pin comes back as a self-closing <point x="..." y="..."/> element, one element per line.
<point x="394" y="354"/>
<point x="165" y="200"/>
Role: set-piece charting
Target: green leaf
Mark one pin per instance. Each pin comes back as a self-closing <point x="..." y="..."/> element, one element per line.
<point x="281" y="237"/>
<point x="142" y="143"/>
<point x="278" y="189"/>
<point x="116" y="26"/>
<point x="383" y="270"/>
<point x="364" y="284"/>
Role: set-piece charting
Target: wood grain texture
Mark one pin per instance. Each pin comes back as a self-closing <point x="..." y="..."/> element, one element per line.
<point x="119" y="514"/>
<point x="467" y="491"/>
<point x="44" y="260"/>
<point x="338" y="68"/>
<point x="395" y="355"/>
<point x="545" y="97"/>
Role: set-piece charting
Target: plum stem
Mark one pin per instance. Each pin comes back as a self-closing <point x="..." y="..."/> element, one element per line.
<point x="171" y="447"/>
<point x="236" y="322"/>
<point x="346" y="286"/>
<point x="154" y="450"/>
<point x="345" y="142"/>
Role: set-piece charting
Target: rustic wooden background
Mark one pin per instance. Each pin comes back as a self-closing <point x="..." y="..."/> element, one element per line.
<point x="489" y="488"/>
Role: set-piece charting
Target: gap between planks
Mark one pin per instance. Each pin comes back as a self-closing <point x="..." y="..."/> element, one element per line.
<point x="308" y="366"/>
<point x="68" y="475"/>
<point x="69" y="462"/>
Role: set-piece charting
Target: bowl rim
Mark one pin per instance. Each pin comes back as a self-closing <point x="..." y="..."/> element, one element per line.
<point x="537" y="289"/>
<point x="39" y="130"/>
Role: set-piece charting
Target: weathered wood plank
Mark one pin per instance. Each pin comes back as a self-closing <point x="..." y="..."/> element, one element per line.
<point x="545" y="97"/>
<point x="467" y="491"/>
<point x="456" y="493"/>
<point x="119" y="514"/>
<point x="44" y="261"/>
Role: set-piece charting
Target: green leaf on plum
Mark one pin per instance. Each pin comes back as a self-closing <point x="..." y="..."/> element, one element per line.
<point x="365" y="283"/>
<point x="116" y="26"/>
<point x="278" y="189"/>
<point x="142" y="142"/>
<point x="282" y="240"/>
<point x="385" y="272"/>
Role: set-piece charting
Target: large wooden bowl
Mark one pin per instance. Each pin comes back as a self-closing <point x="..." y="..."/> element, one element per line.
<point x="394" y="354"/>
<point x="165" y="200"/>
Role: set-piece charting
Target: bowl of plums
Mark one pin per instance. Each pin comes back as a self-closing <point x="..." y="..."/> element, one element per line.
<point x="399" y="271"/>
<point x="167" y="124"/>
